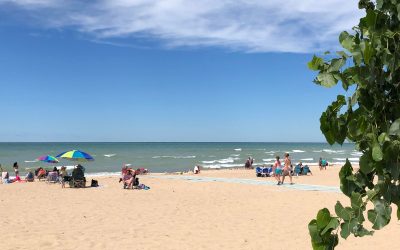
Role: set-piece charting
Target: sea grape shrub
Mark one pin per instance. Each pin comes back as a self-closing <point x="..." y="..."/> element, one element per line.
<point x="370" y="63"/>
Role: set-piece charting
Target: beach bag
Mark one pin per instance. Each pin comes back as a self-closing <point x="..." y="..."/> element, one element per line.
<point x="144" y="187"/>
<point x="94" y="183"/>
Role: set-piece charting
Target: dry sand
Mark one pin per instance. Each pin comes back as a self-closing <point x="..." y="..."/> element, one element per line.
<point x="173" y="214"/>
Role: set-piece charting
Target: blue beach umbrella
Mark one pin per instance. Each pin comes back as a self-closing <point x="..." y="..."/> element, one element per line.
<point x="75" y="155"/>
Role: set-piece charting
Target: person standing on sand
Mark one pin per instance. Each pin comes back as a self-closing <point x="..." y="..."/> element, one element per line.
<point x="247" y="164"/>
<point x="277" y="169"/>
<point x="287" y="168"/>
<point x="16" y="170"/>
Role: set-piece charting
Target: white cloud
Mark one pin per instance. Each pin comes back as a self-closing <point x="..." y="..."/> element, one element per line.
<point x="251" y="26"/>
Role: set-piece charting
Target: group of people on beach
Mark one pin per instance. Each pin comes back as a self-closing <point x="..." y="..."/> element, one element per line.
<point x="280" y="172"/>
<point x="249" y="163"/>
<point x="57" y="175"/>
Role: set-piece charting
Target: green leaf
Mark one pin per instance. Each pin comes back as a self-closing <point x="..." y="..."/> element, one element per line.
<point x="379" y="4"/>
<point x="323" y="218"/>
<point x="347" y="227"/>
<point x="336" y="64"/>
<point x="314" y="232"/>
<point x="395" y="127"/>
<point x="356" y="200"/>
<point x="365" y="164"/>
<point x="398" y="212"/>
<point x="383" y="137"/>
<point x="380" y="215"/>
<point x="368" y="52"/>
<point x="360" y="231"/>
<point x="377" y="154"/>
<point x="333" y="224"/>
<point x="398" y="11"/>
<point x="327" y="79"/>
<point x="346" y="40"/>
<point x="370" y="18"/>
<point x="343" y="213"/>
<point x="315" y="63"/>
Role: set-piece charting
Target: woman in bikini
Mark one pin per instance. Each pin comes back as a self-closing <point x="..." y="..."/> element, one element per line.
<point x="287" y="169"/>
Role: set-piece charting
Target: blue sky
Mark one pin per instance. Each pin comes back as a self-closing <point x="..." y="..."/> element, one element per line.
<point x="114" y="73"/>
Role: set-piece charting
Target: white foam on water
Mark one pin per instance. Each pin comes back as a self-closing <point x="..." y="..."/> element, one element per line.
<point x="331" y="151"/>
<point x="217" y="166"/>
<point x="238" y="149"/>
<point x="307" y="159"/>
<point x="339" y="159"/>
<point x="269" y="163"/>
<point x="270" y="152"/>
<point x="317" y="151"/>
<point x="110" y="155"/>
<point x="269" y="159"/>
<point x="357" y="154"/>
<point x="31" y="161"/>
<point x="235" y="155"/>
<point x="208" y="162"/>
<point x="174" y="156"/>
<point x="222" y="161"/>
<point x="298" y="151"/>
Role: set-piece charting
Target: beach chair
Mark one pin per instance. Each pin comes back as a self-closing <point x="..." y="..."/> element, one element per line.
<point x="259" y="171"/>
<point x="267" y="171"/>
<point x="297" y="170"/>
<point x="52" y="177"/>
<point x="306" y="170"/>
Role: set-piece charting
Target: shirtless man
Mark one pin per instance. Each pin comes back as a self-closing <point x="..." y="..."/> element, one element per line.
<point x="287" y="169"/>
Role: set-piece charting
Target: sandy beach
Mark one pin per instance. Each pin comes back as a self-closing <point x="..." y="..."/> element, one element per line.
<point x="173" y="214"/>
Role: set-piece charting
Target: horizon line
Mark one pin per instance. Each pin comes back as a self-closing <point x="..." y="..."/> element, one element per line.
<point x="170" y="142"/>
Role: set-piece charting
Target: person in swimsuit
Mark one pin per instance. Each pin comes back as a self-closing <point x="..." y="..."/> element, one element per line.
<point x="277" y="169"/>
<point x="16" y="170"/>
<point x="287" y="169"/>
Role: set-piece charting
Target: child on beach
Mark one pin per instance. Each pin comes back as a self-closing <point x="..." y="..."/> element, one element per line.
<point x="29" y="177"/>
<point x="196" y="169"/>
<point x="277" y="169"/>
<point x="287" y="169"/>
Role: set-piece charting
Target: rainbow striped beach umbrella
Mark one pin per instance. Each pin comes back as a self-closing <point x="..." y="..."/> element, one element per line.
<point x="76" y="155"/>
<point x="48" y="159"/>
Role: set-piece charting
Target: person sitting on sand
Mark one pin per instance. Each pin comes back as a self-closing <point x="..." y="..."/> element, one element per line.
<point x="78" y="173"/>
<point x="41" y="173"/>
<point x="196" y="169"/>
<point x="277" y="169"/>
<point x="5" y="177"/>
<point x="124" y="171"/>
<point x="129" y="178"/>
<point x="287" y="169"/>
<point x="322" y="164"/>
<point x="29" y="177"/>
<point x="56" y="170"/>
